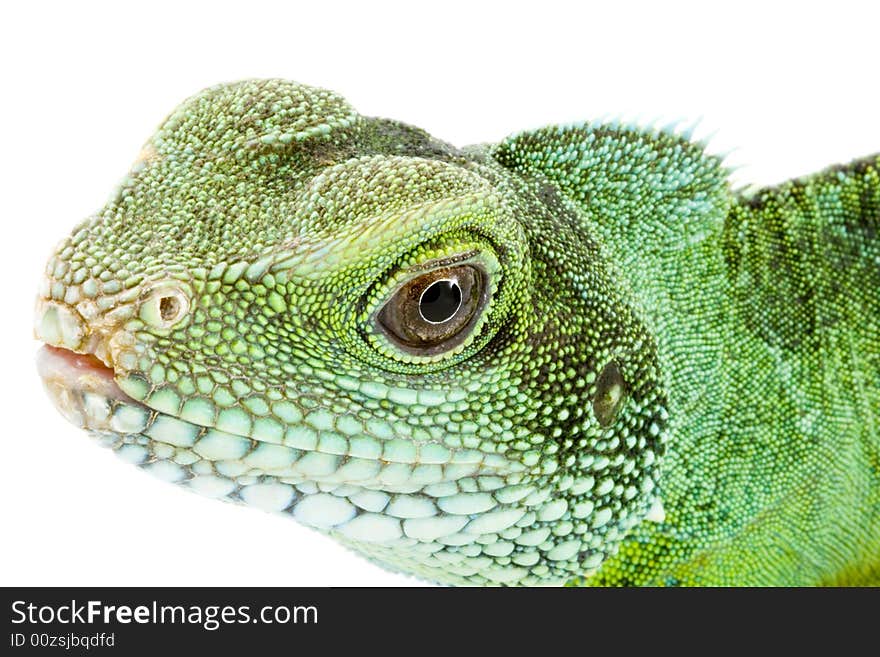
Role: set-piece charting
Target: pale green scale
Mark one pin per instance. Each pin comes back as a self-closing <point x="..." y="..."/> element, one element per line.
<point x="332" y="443"/>
<point x="217" y="446"/>
<point x="129" y="419"/>
<point x="316" y="464"/>
<point x="170" y="430"/>
<point x="165" y="400"/>
<point x="198" y="410"/>
<point x="234" y="420"/>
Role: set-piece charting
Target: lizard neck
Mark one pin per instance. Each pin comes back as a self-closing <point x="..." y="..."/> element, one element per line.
<point x="756" y="393"/>
<point x="764" y="313"/>
<point x="676" y="274"/>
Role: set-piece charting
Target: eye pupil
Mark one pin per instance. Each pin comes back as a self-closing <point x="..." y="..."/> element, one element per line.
<point x="440" y="301"/>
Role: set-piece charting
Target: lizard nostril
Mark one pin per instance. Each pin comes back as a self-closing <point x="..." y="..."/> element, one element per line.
<point x="166" y="305"/>
<point x="169" y="308"/>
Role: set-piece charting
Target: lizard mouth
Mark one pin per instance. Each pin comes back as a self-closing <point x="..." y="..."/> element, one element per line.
<point x="73" y="369"/>
<point x="80" y="386"/>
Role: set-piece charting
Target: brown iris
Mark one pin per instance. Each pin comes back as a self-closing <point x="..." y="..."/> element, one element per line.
<point x="434" y="312"/>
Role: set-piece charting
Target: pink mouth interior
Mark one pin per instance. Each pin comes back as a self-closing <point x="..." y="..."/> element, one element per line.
<point x="57" y="357"/>
<point x="80" y="372"/>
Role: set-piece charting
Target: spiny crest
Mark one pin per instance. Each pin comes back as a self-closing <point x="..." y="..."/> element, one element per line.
<point x="254" y="114"/>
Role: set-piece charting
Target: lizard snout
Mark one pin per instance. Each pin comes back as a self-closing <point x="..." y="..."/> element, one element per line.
<point x="76" y="329"/>
<point x="59" y="325"/>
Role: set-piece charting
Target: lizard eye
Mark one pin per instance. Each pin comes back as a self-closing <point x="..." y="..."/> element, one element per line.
<point x="436" y="311"/>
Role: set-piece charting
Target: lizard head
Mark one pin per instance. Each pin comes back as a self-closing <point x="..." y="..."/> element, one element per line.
<point x="405" y="345"/>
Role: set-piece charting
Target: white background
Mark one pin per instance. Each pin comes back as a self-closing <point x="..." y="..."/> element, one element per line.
<point x="793" y="88"/>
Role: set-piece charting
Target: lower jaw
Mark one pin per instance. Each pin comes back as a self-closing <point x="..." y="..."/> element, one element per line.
<point x="85" y="393"/>
<point x="386" y="540"/>
<point x="272" y="477"/>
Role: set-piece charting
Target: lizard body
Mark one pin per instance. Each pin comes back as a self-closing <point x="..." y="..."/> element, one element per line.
<point x="573" y="356"/>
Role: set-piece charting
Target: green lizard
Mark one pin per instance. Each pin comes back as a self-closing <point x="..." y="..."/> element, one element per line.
<point x="574" y="356"/>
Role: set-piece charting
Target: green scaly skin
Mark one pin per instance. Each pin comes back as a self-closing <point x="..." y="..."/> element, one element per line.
<point x="670" y="382"/>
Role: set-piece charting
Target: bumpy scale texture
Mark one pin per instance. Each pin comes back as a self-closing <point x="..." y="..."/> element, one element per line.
<point x="669" y="382"/>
